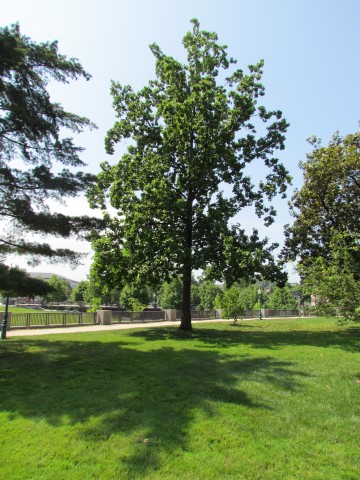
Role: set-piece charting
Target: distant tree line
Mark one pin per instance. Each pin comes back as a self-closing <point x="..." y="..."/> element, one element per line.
<point x="205" y="294"/>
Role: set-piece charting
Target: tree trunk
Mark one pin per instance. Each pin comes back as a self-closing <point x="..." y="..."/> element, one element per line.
<point x="186" y="299"/>
<point x="187" y="268"/>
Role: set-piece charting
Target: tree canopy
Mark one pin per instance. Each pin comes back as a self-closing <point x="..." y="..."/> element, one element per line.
<point x="282" y="299"/>
<point x="232" y="306"/>
<point x="140" y="293"/>
<point x="15" y="282"/>
<point x="193" y="131"/>
<point x="169" y="294"/>
<point x="80" y="292"/>
<point x="324" y="237"/>
<point x="32" y="148"/>
<point x="207" y="292"/>
<point x="327" y="206"/>
<point x="61" y="289"/>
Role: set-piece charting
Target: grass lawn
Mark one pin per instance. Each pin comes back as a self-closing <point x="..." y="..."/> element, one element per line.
<point x="264" y="400"/>
<point x="19" y="309"/>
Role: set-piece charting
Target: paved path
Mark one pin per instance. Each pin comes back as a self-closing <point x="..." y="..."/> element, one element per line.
<point x="118" y="326"/>
<point x="98" y="328"/>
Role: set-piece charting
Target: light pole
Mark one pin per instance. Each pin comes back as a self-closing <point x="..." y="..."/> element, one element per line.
<point x="259" y="293"/>
<point x="5" y="320"/>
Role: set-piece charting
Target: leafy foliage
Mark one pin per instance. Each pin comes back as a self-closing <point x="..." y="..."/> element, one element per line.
<point x="80" y="292"/>
<point x="232" y="306"/>
<point x="207" y="293"/>
<point x="61" y="289"/>
<point x="328" y="204"/>
<point x="132" y="294"/>
<point x="282" y="299"/>
<point x="249" y="296"/>
<point x="99" y="294"/>
<point x="170" y="294"/>
<point x="183" y="178"/>
<point x="325" y="234"/>
<point x="335" y="283"/>
<point x="31" y="147"/>
<point x="135" y="305"/>
<point x="15" y="282"/>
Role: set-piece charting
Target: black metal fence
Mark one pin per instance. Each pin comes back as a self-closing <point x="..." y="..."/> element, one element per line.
<point x="146" y="316"/>
<point x="251" y="314"/>
<point x="61" y="318"/>
<point x="199" y="314"/>
<point x="34" y="319"/>
<point x="280" y="313"/>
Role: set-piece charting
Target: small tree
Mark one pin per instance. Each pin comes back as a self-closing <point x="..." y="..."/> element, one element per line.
<point x="134" y="305"/>
<point x="232" y="306"/>
<point x="79" y="292"/>
<point x="249" y="296"/>
<point x="335" y="283"/>
<point x="282" y="299"/>
<point x="61" y="290"/>
<point x="170" y="294"/>
<point x="134" y="293"/>
<point x="207" y="293"/>
<point x="218" y="300"/>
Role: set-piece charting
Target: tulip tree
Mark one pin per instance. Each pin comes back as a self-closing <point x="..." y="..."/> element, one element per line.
<point x="191" y="134"/>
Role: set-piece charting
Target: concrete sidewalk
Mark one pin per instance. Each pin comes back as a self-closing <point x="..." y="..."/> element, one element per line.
<point x="98" y="328"/>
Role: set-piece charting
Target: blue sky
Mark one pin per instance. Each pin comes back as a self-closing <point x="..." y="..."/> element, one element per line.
<point x="311" y="72"/>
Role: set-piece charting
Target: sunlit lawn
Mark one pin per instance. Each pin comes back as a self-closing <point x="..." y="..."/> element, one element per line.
<point x="263" y="400"/>
<point x="14" y="309"/>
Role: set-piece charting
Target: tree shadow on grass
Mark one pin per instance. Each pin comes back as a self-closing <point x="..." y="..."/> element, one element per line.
<point x="113" y="388"/>
<point x="347" y="339"/>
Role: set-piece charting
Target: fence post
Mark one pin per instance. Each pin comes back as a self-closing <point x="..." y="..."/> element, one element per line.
<point x="170" y="315"/>
<point x="104" y="317"/>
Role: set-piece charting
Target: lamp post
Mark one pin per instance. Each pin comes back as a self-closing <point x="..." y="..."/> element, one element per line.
<point x="5" y="320"/>
<point x="259" y="293"/>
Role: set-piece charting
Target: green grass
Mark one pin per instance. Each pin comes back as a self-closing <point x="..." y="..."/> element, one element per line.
<point x="259" y="401"/>
<point x="19" y="309"/>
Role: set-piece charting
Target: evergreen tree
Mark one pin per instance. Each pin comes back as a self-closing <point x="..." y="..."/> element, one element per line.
<point x="31" y="146"/>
